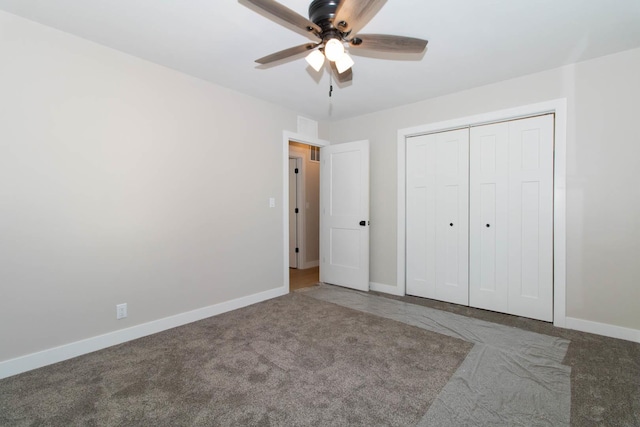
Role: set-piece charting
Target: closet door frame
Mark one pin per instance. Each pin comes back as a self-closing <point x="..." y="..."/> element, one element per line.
<point x="557" y="107"/>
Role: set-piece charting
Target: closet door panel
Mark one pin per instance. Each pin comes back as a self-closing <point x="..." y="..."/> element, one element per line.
<point x="531" y="217"/>
<point x="421" y="221"/>
<point x="488" y="225"/>
<point x="437" y="216"/>
<point x="452" y="216"/>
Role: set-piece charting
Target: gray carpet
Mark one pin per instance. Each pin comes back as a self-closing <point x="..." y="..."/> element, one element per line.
<point x="512" y="377"/>
<point x="605" y="372"/>
<point x="293" y="360"/>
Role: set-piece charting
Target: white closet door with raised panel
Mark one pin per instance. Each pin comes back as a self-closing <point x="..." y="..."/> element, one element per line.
<point x="531" y="217"/>
<point x="438" y="215"/>
<point x="421" y="216"/>
<point x="488" y="217"/>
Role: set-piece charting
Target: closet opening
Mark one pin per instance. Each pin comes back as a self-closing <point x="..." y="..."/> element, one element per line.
<point x="481" y="211"/>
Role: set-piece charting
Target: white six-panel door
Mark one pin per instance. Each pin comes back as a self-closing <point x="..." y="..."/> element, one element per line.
<point x="437" y="216"/>
<point x="344" y="217"/>
<point x="510" y="217"/>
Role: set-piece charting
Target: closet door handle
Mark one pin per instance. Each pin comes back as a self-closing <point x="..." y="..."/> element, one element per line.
<point x="488" y="225"/>
<point x="450" y="224"/>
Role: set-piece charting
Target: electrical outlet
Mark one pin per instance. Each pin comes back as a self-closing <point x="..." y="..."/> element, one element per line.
<point x="121" y="311"/>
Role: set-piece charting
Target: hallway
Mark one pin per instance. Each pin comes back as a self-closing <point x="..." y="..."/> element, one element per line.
<point x="299" y="279"/>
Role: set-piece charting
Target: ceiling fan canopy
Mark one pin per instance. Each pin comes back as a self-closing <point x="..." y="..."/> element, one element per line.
<point x="336" y="23"/>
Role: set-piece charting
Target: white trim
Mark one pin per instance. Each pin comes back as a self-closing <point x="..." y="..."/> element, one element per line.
<point x="303" y="139"/>
<point x="386" y="289"/>
<point x="58" y="354"/>
<point x="557" y="106"/>
<point x="605" y="329"/>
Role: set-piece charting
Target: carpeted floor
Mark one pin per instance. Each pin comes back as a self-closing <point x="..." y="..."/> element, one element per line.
<point x="605" y="372"/>
<point x="293" y="360"/>
<point x="511" y="377"/>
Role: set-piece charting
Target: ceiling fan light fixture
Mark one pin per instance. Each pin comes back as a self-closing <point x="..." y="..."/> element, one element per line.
<point x="333" y="49"/>
<point x="315" y="59"/>
<point x="344" y="63"/>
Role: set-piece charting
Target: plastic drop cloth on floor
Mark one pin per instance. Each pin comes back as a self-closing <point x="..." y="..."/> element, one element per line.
<point x="511" y="377"/>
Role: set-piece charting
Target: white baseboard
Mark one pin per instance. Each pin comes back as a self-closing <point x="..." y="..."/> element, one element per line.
<point x="58" y="354"/>
<point x="605" y="329"/>
<point x="311" y="264"/>
<point x="386" y="289"/>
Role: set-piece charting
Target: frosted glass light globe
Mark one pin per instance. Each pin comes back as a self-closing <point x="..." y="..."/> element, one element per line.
<point x="333" y="50"/>
<point x="315" y="59"/>
<point x="344" y="63"/>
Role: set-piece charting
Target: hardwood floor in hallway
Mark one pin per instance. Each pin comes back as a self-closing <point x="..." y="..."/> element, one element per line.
<point x="299" y="279"/>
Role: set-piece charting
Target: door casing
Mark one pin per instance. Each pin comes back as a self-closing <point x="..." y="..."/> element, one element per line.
<point x="288" y="136"/>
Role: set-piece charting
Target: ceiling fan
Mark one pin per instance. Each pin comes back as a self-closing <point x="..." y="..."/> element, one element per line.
<point x="336" y="23"/>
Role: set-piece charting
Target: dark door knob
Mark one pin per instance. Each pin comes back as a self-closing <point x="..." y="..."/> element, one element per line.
<point x="363" y="223"/>
<point x="488" y="225"/>
<point x="450" y="224"/>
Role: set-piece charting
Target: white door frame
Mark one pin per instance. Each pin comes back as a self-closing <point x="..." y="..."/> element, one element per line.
<point x="303" y="139"/>
<point x="556" y="106"/>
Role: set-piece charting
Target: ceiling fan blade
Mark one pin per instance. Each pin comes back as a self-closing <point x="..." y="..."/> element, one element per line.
<point x="277" y="10"/>
<point x="352" y="15"/>
<point x="283" y="54"/>
<point x="345" y="77"/>
<point x="388" y="43"/>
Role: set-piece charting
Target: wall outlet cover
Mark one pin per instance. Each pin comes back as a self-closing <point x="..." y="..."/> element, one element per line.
<point x="121" y="311"/>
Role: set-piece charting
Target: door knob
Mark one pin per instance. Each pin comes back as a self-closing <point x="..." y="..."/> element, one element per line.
<point x="488" y="225"/>
<point x="451" y="224"/>
<point x="363" y="223"/>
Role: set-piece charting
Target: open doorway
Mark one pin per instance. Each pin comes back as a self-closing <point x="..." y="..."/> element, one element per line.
<point x="304" y="215"/>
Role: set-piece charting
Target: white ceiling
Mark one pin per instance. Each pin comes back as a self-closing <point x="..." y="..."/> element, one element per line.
<point x="471" y="43"/>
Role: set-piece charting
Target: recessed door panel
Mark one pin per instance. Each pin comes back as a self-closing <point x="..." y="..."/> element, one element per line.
<point x="530" y="243"/>
<point x="345" y="244"/>
<point x="345" y="199"/>
<point x="488" y="257"/>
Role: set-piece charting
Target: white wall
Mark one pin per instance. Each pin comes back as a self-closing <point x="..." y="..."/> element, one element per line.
<point x="123" y="181"/>
<point x="603" y="195"/>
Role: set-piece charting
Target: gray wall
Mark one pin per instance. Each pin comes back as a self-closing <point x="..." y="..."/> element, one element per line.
<point x="603" y="195"/>
<point x="123" y="181"/>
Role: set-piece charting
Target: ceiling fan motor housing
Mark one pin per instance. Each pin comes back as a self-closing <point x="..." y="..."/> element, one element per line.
<point x="322" y="12"/>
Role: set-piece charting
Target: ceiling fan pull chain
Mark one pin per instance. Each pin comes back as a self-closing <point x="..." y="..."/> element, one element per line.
<point x="330" y="86"/>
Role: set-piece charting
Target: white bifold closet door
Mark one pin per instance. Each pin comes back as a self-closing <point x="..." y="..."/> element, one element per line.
<point x="511" y="217"/>
<point x="438" y="216"/>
